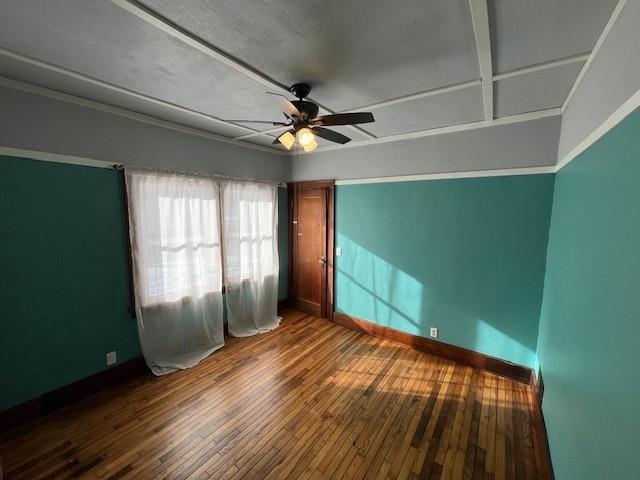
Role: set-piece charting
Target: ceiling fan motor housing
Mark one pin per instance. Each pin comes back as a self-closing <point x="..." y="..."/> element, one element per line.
<point x="300" y="90"/>
<point x="308" y="110"/>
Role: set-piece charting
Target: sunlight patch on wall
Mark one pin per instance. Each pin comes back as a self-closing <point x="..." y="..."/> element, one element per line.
<point x="373" y="288"/>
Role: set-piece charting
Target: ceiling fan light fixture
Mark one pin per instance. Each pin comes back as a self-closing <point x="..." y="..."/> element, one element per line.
<point x="306" y="137"/>
<point x="304" y="123"/>
<point x="310" y="147"/>
<point x="287" y="139"/>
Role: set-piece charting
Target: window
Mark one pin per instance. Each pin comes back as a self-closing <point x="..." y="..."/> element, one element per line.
<point x="176" y="224"/>
<point x="250" y="222"/>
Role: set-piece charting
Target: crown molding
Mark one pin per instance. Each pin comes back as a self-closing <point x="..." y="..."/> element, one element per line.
<point x="503" y="172"/>
<point x="55" y="157"/>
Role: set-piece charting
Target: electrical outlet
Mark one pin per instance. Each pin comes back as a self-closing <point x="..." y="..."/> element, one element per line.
<point x="111" y="358"/>
<point x="433" y="332"/>
<point x="338" y="251"/>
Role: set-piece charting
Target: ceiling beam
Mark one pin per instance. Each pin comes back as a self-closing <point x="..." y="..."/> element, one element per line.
<point x="167" y="26"/>
<point x="262" y="132"/>
<point x="522" y="117"/>
<point x="480" y="17"/>
<point x="161" y="23"/>
<point x="416" y="96"/>
<point x="605" y="31"/>
<point x="541" y="66"/>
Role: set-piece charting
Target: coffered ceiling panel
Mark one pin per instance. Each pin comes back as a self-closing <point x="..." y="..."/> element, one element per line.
<point x="528" y="32"/>
<point x="535" y="91"/>
<point x="461" y="106"/>
<point x="103" y="41"/>
<point x="353" y="52"/>
<point x="60" y="82"/>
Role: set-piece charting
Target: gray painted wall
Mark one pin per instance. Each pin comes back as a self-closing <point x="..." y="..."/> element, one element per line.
<point x="612" y="78"/>
<point x="526" y="144"/>
<point x="35" y="122"/>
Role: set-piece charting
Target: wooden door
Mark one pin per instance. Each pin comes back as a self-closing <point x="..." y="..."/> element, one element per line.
<point x="312" y="244"/>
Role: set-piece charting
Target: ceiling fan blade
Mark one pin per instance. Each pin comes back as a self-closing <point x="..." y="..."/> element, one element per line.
<point x="258" y="121"/>
<point x="344" y="119"/>
<point x="330" y="135"/>
<point x="289" y="108"/>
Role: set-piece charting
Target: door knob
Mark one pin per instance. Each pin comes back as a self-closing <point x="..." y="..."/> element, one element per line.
<point x="323" y="261"/>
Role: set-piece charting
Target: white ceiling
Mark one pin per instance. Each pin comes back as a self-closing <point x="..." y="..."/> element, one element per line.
<point x="198" y="62"/>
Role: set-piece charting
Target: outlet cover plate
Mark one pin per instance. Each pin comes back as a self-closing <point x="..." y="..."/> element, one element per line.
<point x="111" y="358"/>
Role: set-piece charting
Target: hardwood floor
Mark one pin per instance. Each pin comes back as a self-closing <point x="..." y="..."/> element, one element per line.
<point x="308" y="400"/>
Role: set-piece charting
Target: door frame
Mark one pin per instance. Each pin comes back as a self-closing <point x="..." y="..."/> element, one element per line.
<point x="329" y="186"/>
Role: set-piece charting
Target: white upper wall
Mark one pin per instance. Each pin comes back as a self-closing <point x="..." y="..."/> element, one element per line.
<point x="612" y="78"/>
<point x="35" y="122"/>
<point x="526" y="144"/>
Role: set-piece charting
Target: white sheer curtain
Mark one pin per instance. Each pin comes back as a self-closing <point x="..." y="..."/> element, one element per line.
<point x="175" y="239"/>
<point x="250" y="224"/>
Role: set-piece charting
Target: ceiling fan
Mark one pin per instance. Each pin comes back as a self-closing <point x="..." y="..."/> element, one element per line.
<point x="305" y="124"/>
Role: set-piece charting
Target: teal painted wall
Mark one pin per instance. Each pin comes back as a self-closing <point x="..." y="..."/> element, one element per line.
<point x="63" y="276"/>
<point x="64" y="291"/>
<point x="464" y="255"/>
<point x="590" y="322"/>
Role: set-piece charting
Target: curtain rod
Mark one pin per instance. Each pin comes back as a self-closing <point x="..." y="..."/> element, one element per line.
<point x="120" y="166"/>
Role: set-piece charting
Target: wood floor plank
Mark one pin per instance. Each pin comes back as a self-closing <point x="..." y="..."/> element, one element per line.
<point x="309" y="400"/>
